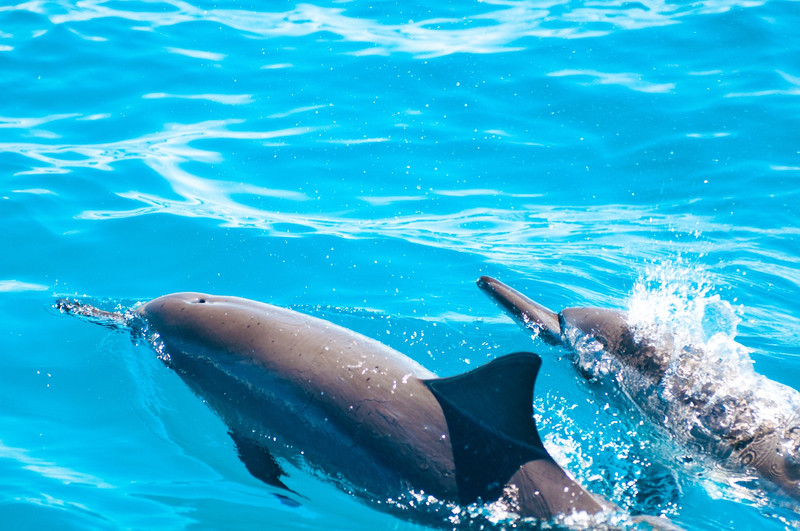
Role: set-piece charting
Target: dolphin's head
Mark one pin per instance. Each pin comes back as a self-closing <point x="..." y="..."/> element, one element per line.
<point x="199" y="323"/>
<point x="178" y="311"/>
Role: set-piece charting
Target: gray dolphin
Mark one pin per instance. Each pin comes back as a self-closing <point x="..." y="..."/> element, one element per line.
<point x="752" y="424"/>
<point x="367" y="416"/>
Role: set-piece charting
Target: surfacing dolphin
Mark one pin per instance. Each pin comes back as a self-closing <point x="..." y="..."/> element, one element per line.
<point x="750" y="424"/>
<point x="367" y="416"/>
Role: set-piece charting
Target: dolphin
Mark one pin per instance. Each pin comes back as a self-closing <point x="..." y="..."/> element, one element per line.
<point x="362" y="414"/>
<point x="751" y="424"/>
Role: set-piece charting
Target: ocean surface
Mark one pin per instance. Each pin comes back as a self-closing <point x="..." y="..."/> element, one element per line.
<point x="366" y="162"/>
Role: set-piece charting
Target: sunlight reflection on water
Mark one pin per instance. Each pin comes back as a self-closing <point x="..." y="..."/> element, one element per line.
<point x="487" y="31"/>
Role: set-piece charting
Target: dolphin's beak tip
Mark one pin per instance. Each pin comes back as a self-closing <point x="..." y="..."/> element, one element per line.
<point x="485" y="282"/>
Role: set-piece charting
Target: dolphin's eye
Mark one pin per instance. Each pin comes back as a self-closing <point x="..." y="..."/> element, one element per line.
<point x="201" y="301"/>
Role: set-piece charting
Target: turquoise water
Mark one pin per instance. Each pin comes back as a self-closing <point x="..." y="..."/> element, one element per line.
<point x="366" y="162"/>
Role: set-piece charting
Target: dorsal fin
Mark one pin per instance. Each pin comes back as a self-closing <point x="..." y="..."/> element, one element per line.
<point x="489" y="414"/>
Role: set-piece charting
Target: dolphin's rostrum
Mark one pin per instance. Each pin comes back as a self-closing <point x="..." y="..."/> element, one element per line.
<point x="287" y="383"/>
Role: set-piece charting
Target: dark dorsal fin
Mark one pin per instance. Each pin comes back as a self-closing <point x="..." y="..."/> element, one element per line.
<point x="489" y="414"/>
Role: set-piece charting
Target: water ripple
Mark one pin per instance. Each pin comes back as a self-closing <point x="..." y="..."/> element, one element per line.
<point x="49" y="469"/>
<point x="792" y="90"/>
<point x="225" y="99"/>
<point x="29" y="123"/>
<point x="162" y="151"/>
<point x="7" y="286"/>
<point x="496" y="30"/>
<point x="506" y="235"/>
<point x="625" y="79"/>
<point x="198" y="54"/>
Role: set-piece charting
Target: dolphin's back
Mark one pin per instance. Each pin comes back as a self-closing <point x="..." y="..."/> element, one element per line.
<point x="360" y="410"/>
<point x="347" y="400"/>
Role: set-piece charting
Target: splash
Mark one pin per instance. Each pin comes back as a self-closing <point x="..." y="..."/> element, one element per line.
<point x="675" y="298"/>
<point x="676" y="307"/>
<point x="501" y="514"/>
<point x="709" y="397"/>
<point x="695" y="383"/>
<point x="114" y="320"/>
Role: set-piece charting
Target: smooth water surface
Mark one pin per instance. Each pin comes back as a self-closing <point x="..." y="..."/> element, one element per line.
<point x="366" y="162"/>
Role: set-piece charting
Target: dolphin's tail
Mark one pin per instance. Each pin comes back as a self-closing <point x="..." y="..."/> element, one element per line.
<point x="529" y="313"/>
<point x="113" y="320"/>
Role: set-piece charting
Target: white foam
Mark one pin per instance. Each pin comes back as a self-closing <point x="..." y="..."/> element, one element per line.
<point x="710" y="384"/>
